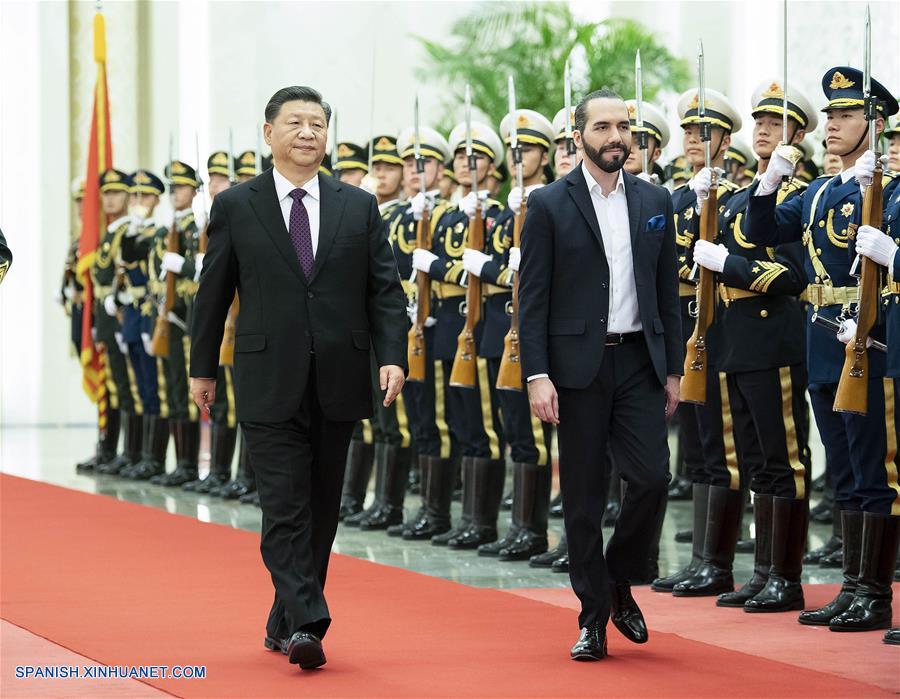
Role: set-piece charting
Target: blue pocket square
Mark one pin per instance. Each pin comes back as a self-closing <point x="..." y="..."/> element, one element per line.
<point x="657" y="223"/>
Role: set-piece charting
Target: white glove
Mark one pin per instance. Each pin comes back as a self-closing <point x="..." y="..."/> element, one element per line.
<point x="514" y="200"/>
<point x="710" y="255"/>
<point x="109" y="305"/>
<point x="69" y="293"/>
<point x="474" y="261"/>
<point x="148" y="343"/>
<point x="125" y="298"/>
<point x="199" y="208"/>
<point x="412" y="310"/>
<point x="422" y="259"/>
<point x="864" y="168"/>
<point x="779" y="168"/>
<point x="418" y="204"/>
<point x="198" y="264"/>
<point x="515" y="257"/>
<point x="848" y="332"/>
<point x="646" y="177"/>
<point x="700" y="184"/>
<point x="134" y="227"/>
<point x="172" y="262"/>
<point x="469" y="204"/>
<point x="120" y="341"/>
<point x="875" y="245"/>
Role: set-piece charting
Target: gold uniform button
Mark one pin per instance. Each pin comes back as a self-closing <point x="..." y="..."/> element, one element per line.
<point x="818" y="280"/>
<point x="821" y="224"/>
<point x="764" y="313"/>
<point x="818" y="251"/>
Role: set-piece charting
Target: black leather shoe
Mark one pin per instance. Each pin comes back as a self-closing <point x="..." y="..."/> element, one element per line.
<point x="892" y="637"/>
<point x="823" y="513"/>
<point x="212" y="481"/>
<point x="232" y="490"/>
<point x="250" y="499"/>
<point x="680" y="489"/>
<point x="745" y="546"/>
<point x="833" y="560"/>
<point x="305" y="649"/>
<point x="545" y="560"/>
<point x="279" y="644"/>
<point x="561" y="564"/>
<point x="175" y="479"/>
<point x="493" y="549"/>
<point x="524" y="547"/>
<point x="816" y="555"/>
<point x="556" y="510"/>
<point x="625" y="613"/>
<point x="817" y="485"/>
<point x="684" y="536"/>
<point x="591" y="644"/>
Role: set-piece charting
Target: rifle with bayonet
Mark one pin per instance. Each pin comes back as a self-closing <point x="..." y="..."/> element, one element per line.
<point x="464" y="374"/>
<point x="853" y="388"/>
<point x="162" y="330"/>
<point x="415" y="343"/>
<point x="509" y="376"/>
<point x="639" y="116"/>
<point x="696" y="362"/>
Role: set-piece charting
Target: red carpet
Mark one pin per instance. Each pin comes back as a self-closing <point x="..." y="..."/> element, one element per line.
<point x="125" y="584"/>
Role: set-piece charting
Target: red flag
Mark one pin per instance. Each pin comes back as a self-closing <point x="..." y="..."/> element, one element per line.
<point x="93" y="220"/>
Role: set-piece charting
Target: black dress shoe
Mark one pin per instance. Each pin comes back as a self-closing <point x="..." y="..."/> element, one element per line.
<point x="625" y="613"/>
<point x="561" y="564"/>
<point x="892" y="637"/>
<point x="556" y="509"/>
<point x="745" y="546"/>
<point x="685" y="536"/>
<point x="591" y="644"/>
<point x="545" y="560"/>
<point x="816" y="555"/>
<point x="680" y="489"/>
<point x="305" y="649"/>
<point x="250" y="498"/>
<point x="279" y="644"/>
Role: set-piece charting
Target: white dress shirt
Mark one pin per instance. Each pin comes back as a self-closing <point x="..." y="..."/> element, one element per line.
<point x="283" y="189"/>
<point x="615" y="229"/>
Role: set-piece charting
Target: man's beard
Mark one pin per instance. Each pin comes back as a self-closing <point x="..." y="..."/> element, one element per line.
<point x="596" y="156"/>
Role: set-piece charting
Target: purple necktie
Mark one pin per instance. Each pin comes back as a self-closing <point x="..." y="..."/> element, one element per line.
<point x="301" y="236"/>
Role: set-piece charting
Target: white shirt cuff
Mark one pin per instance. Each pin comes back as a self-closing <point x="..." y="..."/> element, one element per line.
<point x="537" y="376"/>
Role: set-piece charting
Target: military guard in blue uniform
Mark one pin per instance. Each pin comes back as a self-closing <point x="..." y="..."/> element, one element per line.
<point x="860" y="448"/>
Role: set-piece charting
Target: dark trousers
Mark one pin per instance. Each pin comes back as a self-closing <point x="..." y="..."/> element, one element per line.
<point x="222" y="413"/>
<point x="773" y="400"/>
<point x="118" y="383"/>
<point x="143" y="367"/>
<point x="299" y="467"/>
<point x="861" y="449"/>
<point x="528" y="438"/>
<point x="623" y="410"/>
<point x="181" y="406"/>
<point x="473" y="415"/>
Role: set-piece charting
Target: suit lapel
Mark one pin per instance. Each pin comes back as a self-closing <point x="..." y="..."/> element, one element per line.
<point x="634" y="207"/>
<point x="264" y="201"/>
<point x="331" y="209"/>
<point x="579" y="192"/>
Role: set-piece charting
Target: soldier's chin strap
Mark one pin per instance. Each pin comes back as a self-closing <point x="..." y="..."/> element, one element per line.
<point x="718" y="147"/>
<point x="862" y="138"/>
<point x="790" y="141"/>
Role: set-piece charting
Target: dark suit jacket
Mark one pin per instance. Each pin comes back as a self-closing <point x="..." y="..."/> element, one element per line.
<point x="352" y="303"/>
<point x="564" y="281"/>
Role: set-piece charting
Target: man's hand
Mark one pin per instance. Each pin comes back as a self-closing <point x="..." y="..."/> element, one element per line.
<point x="544" y="401"/>
<point x="203" y="391"/>
<point x="391" y="379"/>
<point x="673" y="394"/>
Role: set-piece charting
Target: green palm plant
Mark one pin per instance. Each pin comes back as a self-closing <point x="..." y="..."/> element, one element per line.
<point x="531" y="42"/>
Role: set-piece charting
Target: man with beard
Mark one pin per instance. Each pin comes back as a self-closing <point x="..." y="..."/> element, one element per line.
<point x="602" y="353"/>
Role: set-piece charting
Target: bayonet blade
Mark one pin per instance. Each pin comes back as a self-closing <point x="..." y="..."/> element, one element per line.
<point x="468" y="120"/>
<point x="513" y="131"/>
<point x="416" y="142"/>
<point x="567" y="80"/>
<point x="638" y="90"/>
<point x="701" y="92"/>
<point x="784" y="87"/>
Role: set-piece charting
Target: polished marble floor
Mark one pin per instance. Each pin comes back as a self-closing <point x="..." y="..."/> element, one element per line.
<point x="49" y="453"/>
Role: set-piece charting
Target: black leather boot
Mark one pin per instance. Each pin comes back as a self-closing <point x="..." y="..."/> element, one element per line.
<point x="530" y="510"/>
<point x="245" y="480"/>
<point x="545" y="560"/>
<point x="871" y="606"/>
<point x="360" y="459"/>
<point x="115" y="463"/>
<point x="222" y="440"/>
<point x="723" y="523"/>
<point x="131" y="443"/>
<point x="490" y="477"/>
<point x="834" y="543"/>
<point x="762" y="556"/>
<point x="701" y="506"/>
<point x="493" y="548"/>
<point x="378" y="451"/>
<point x="438" y="494"/>
<point x="393" y="492"/>
<point x="467" y="476"/>
<point x="417" y="520"/>
<point x="892" y="637"/>
<point x="556" y="509"/>
<point x="156" y="444"/>
<point x="186" y="469"/>
<point x="851" y="530"/>
<point x="783" y="591"/>
<point x="107" y="441"/>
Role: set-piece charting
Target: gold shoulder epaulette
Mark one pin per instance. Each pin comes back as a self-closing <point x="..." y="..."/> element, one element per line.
<point x="726" y="186"/>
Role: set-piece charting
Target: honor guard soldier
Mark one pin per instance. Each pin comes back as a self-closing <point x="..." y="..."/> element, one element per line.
<point x="471" y="415"/>
<point x="424" y="400"/>
<point x="528" y="438"/>
<point x="180" y="261"/>
<point x="861" y="448"/>
<point x="351" y="163"/>
<point x="245" y="166"/>
<point x="71" y="290"/>
<point x="703" y="429"/>
<point x="657" y="137"/>
<point x="387" y="171"/>
<point x="122" y="393"/>
<point x="761" y="353"/>
<point x="892" y="134"/>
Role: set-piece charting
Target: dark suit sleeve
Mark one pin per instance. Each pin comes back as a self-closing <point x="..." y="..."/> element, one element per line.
<point x="385" y="302"/>
<point x="218" y="282"/>
<point x="771" y="225"/>
<point x="535" y="278"/>
<point x="667" y="295"/>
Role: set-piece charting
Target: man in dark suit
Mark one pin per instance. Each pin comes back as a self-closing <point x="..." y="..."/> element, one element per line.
<point x="602" y="352"/>
<point x="319" y="289"/>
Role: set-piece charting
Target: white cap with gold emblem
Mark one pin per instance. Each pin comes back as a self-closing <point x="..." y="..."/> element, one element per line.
<point x="531" y="127"/>
<point x="654" y="121"/>
<point x="719" y="110"/>
<point x="559" y="124"/>
<point x="484" y="140"/>
<point x="431" y="143"/>
<point x="768" y="99"/>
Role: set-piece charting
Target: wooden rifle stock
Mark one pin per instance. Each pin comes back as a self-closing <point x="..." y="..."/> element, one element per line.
<point x="226" y="350"/>
<point x="509" y="376"/>
<point x="853" y="388"/>
<point x="696" y="360"/>
<point x="160" y="341"/>
<point x="415" y="345"/>
<point x="464" y="372"/>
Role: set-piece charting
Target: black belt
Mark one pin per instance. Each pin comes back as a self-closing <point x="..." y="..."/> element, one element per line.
<point x="621" y="338"/>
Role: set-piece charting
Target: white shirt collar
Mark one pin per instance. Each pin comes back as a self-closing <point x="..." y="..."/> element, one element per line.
<point x="284" y="187"/>
<point x="189" y="211"/>
<point x="121" y="221"/>
<point x="848" y="174"/>
<point x="382" y="207"/>
<point x="591" y="182"/>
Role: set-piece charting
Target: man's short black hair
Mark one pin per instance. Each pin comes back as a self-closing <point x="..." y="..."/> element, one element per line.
<point x="581" y="109"/>
<point x="295" y="93"/>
